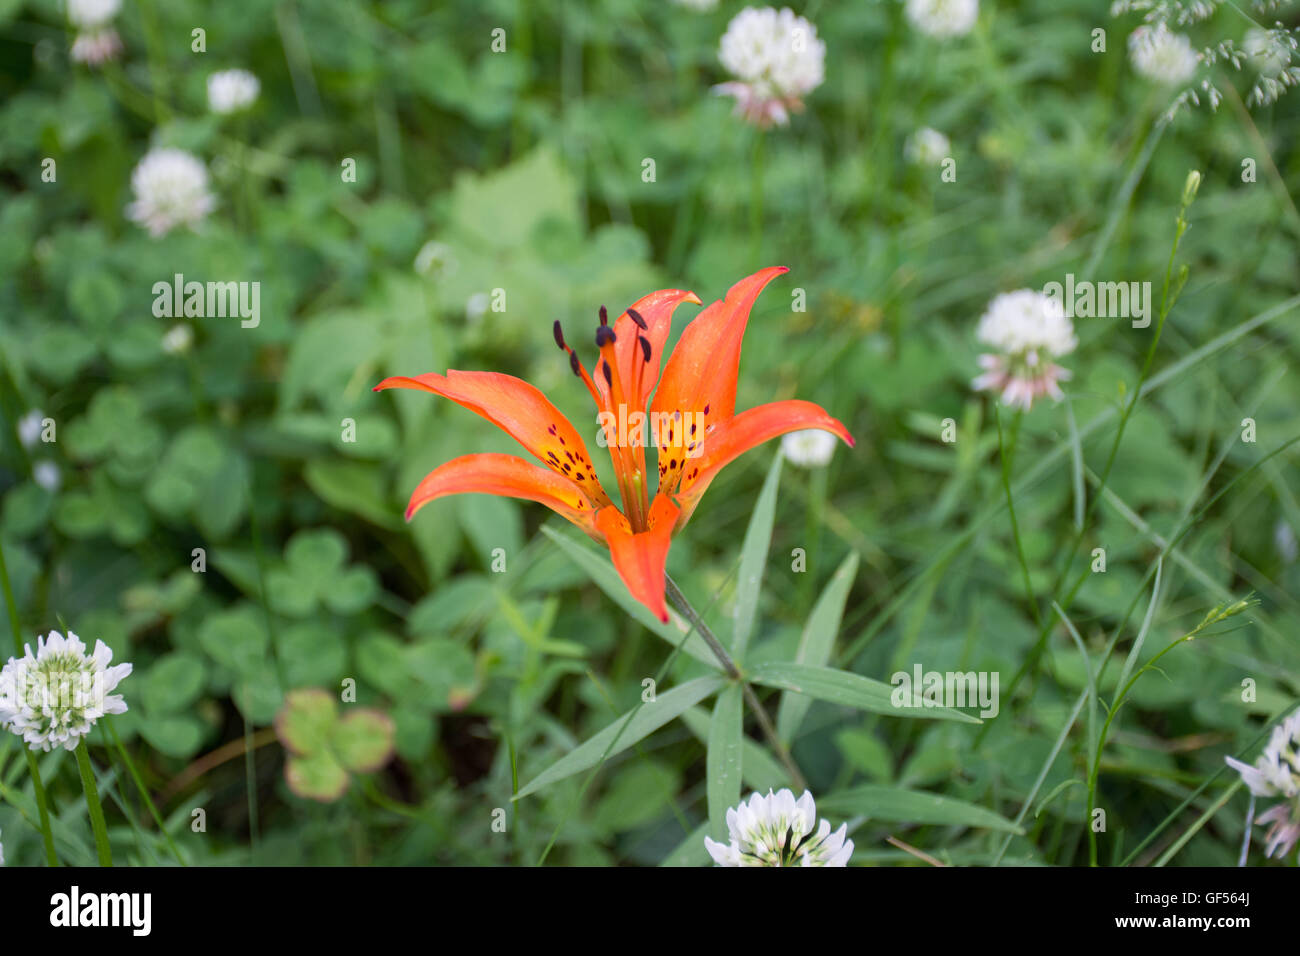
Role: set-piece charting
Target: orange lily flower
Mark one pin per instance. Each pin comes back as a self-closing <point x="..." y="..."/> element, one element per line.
<point x="691" y="422"/>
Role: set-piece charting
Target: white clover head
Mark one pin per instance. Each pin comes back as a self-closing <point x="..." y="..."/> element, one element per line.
<point x="809" y="447"/>
<point x="1276" y="773"/>
<point x="777" y="830"/>
<point x="943" y="18"/>
<point x="52" y="698"/>
<point x="1161" y="55"/>
<point x="232" y="90"/>
<point x="171" y="189"/>
<point x="1028" y="329"/>
<point x="776" y="58"/>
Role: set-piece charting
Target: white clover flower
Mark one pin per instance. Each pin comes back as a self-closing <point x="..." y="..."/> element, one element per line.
<point x="809" y="447"/>
<point x="29" y="427"/>
<point x="1028" y="328"/>
<point x="699" y="6"/>
<point x="96" y="42"/>
<point x="1277" y="774"/>
<point x="778" y="831"/>
<point x="53" y="697"/>
<point x="47" y="475"/>
<point x="171" y="189"/>
<point x="89" y="14"/>
<point x="776" y="59"/>
<point x="1161" y="55"/>
<point x="927" y="147"/>
<point x="476" y="306"/>
<point x="96" y="46"/>
<point x="436" y="259"/>
<point x="1266" y="50"/>
<point x="178" y="339"/>
<point x="232" y="90"/>
<point x="943" y="18"/>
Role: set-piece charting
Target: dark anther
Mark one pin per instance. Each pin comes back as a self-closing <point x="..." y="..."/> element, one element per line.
<point x="559" y="335"/>
<point x="574" y="364"/>
<point x="635" y="316"/>
<point x="608" y="373"/>
<point x="604" y="336"/>
<point x="604" y="316"/>
<point x="645" y="347"/>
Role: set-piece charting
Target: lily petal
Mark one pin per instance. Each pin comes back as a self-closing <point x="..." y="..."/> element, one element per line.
<point x="748" y="429"/>
<point x="706" y="360"/>
<point x="511" y="477"/>
<point x="657" y="310"/>
<point x="640" y="558"/>
<point x="699" y="382"/>
<point x="520" y="410"/>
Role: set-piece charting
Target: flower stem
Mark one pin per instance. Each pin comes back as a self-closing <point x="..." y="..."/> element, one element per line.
<point x="47" y="834"/>
<point x="680" y="602"/>
<point x="756" y="198"/>
<point x="92" y="803"/>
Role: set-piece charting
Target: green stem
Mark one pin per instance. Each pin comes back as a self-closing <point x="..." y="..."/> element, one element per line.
<point x="92" y="803"/>
<point x="1216" y="615"/>
<point x="756" y="199"/>
<point x="1169" y="296"/>
<point x="144" y="792"/>
<point x="47" y="834"/>
<point x="1008" y="454"/>
<point x="679" y="601"/>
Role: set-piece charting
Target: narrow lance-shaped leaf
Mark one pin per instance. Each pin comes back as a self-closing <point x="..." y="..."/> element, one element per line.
<point x="640" y="722"/>
<point x="753" y="559"/>
<point x="759" y="770"/>
<point x="897" y="804"/>
<point x="816" y="642"/>
<point x="691" y="851"/>
<point x="724" y="758"/>
<point x="841" y="687"/>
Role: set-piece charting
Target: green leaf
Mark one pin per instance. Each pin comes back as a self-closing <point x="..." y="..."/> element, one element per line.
<point x="236" y="638"/>
<point x="307" y="720"/>
<point x="841" y="687"/>
<point x="172" y="683"/>
<point x="176" y="735"/>
<point x="640" y="723"/>
<point x="316" y="777"/>
<point x="726" y="731"/>
<point x="352" y="591"/>
<point x="353" y="486"/>
<point x="753" y="559"/>
<point x="816" y="642"/>
<point x="690" y="852"/>
<point x="899" y="805"/>
<point x="363" y="740"/>
<point x="636" y="796"/>
<point x="316" y="555"/>
<point x="758" y="769"/>
<point x="607" y="579"/>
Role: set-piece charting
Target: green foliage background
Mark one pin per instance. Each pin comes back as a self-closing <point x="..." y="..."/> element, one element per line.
<point x="527" y="166"/>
